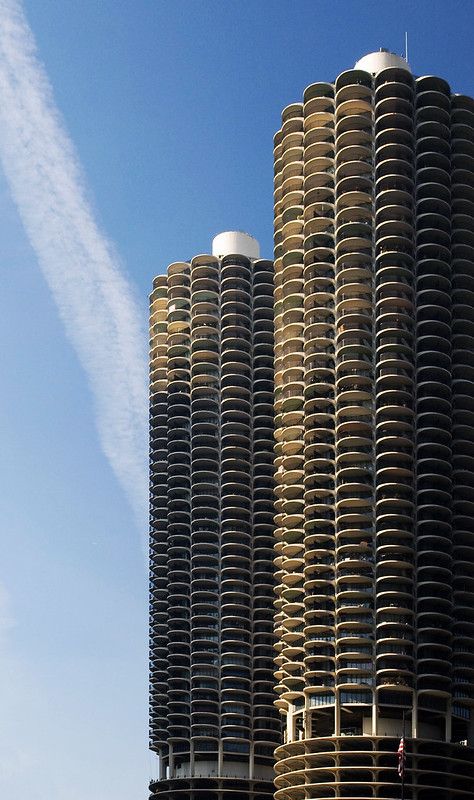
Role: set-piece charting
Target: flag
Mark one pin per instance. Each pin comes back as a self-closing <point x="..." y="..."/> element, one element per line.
<point x="401" y="758"/>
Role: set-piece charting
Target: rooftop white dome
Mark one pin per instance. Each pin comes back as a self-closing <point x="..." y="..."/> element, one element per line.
<point x="233" y="242"/>
<point x="376" y="62"/>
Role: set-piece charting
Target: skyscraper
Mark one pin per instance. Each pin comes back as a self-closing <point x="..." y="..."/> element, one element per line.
<point x="374" y="404"/>
<point x="213" y="722"/>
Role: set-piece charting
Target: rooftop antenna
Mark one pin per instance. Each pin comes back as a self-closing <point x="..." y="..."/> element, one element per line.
<point x="406" y="46"/>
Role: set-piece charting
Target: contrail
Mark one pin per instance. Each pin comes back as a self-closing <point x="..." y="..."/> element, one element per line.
<point x="95" y="300"/>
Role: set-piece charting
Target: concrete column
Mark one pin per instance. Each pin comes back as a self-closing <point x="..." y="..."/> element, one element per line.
<point x="290" y="725"/>
<point x="220" y="758"/>
<point x="161" y="766"/>
<point x="449" y="720"/>
<point x="375" y="714"/>
<point x="414" y="717"/>
<point x="337" y="716"/>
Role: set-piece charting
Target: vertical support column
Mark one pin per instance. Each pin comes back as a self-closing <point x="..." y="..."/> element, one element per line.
<point x="414" y="717"/>
<point x="394" y="386"/>
<point x="220" y="758"/>
<point x="354" y="423"/>
<point x="265" y="729"/>
<point x="318" y="419"/>
<point x="289" y="412"/>
<point x="337" y="716"/>
<point x="205" y="494"/>
<point x="375" y="709"/>
<point x="237" y="540"/>
<point x="448" y="732"/>
<point x="161" y="766"/>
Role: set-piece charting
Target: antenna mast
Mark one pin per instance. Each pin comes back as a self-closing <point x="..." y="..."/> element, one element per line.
<point x="406" y="46"/>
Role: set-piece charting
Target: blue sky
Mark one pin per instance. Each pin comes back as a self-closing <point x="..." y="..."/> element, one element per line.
<point x="172" y="108"/>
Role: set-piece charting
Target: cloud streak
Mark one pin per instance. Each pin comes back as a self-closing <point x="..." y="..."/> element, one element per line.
<point x="96" y="302"/>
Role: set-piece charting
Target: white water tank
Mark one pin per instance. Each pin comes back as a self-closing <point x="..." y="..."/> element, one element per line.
<point x="233" y="243"/>
<point x="376" y="62"/>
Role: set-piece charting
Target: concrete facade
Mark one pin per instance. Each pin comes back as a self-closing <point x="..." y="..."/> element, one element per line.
<point x="213" y="722"/>
<point x="374" y="418"/>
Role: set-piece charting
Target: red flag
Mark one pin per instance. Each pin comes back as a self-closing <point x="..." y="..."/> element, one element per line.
<point x="401" y="757"/>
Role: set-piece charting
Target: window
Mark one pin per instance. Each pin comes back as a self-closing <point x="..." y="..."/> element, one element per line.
<point x="321" y="700"/>
<point x="239" y="721"/>
<point x="355" y="697"/>
<point x="236" y="747"/>
<point x="206" y="745"/>
<point x="234" y="708"/>
<point x="459" y="711"/>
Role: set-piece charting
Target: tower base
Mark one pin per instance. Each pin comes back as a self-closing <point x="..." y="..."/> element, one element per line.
<point x="365" y="767"/>
<point x="210" y="789"/>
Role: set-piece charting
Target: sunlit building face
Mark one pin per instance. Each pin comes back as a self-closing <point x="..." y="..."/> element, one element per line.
<point x="374" y="419"/>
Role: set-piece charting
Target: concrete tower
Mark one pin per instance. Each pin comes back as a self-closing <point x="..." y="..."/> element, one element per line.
<point x="374" y="403"/>
<point x="213" y="722"/>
